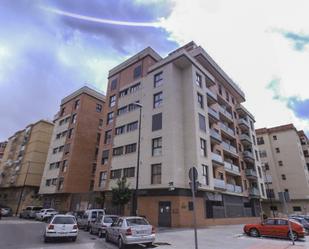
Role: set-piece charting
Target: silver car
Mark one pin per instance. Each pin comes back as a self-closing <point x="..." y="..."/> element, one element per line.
<point x="130" y="230"/>
<point x="101" y="223"/>
<point x="61" y="226"/>
<point x="45" y="214"/>
<point x="30" y="212"/>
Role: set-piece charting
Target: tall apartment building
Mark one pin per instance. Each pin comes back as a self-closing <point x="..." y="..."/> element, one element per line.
<point x="2" y="148"/>
<point x="284" y="152"/>
<point x="22" y="165"/>
<point x="67" y="181"/>
<point x="191" y="116"/>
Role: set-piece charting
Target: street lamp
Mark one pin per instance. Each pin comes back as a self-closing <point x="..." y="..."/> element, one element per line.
<point x="267" y="187"/>
<point x="135" y="206"/>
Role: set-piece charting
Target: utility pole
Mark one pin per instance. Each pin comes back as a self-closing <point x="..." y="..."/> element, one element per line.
<point x="23" y="188"/>
<point x="284" y="196"/>
<point x="267" y="191"/>
<point x="193" y="175"/>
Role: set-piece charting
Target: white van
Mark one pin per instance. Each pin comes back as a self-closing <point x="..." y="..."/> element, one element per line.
<point x="89" y="216"/>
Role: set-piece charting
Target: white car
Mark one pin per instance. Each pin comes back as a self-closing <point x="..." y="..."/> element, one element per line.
<point x="45" y="214"/>
<point x="61" y="226"/>
<point x="90" y="216"/>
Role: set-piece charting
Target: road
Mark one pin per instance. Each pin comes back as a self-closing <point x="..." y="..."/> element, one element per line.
<point x="28" y="234"/>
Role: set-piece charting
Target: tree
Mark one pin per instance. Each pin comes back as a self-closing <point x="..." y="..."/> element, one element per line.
<point x="121" y="194"/>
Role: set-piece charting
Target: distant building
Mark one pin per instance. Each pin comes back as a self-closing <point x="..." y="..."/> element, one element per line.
<point x="22" y="165"/>
<point x="192" y="115"/>
<point x="285" y="158"/>
<point x="68" y="178"/>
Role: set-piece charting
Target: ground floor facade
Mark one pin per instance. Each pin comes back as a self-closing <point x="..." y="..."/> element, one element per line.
<point x="276" y="208"/>
<point x="20" y="197"/>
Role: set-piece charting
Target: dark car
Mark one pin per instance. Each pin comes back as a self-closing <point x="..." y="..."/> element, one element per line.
<point x="6" y="211"/>
<point x="302" y="221"/>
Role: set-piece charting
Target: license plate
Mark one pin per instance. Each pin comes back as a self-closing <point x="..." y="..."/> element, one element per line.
<point x="141" y="232"/>
<point x="63" y="232"/>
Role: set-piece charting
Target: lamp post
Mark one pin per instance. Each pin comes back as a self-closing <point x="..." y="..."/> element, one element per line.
<point x="267" y="187"/>
<point x="23" y="188"/>
<point x="135" y="204"/>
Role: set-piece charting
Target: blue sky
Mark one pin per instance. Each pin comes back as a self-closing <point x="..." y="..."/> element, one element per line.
<point x="45" y="55"/>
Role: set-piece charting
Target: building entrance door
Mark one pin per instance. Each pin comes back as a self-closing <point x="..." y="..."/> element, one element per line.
<point x="165" y="218"/>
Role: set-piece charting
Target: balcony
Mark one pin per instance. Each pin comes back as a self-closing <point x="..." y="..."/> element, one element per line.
<point x="251" y="173"/>
<point x="254" y="192"/>
<point x="217" y="159"/>
<point x="268" y="179"/>
<point x="213" y="115"/>
<point x="227" y="130"/>
<point x="243" y="124"/>
<point x="245" y="139"/>
<point x="211" y="97"/>
<point x="219" y="184"/>
<point x="231" y="168"/>
<point x="248" y="156"/>
<point x="226" y="114"/>
<point x="233" y="188"/>
<point x="215" y="136"/>
<point x="229" y="148"/>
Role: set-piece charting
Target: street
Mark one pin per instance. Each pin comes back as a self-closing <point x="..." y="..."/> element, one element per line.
<point x="18" y="233"/>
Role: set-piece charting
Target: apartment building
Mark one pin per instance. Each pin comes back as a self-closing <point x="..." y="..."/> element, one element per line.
<point x="67" y="181"/>
<point x="191" y="115"/>
<point x="2" y="148"/>
<point x="284" y="156"/>
<point x="22" y="165"/>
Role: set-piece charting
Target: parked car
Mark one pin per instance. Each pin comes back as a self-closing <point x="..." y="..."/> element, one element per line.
<point x="88" y="217"/>
<point x="302" y="221"/>
<point x="101" y="223"/>
<point x="30" y="212"/>
<point x="61" y="226"/>
<point x="45" y="214"/>
<point x="6" y="211"/>
<point x="277" y="227"/>
<point x="130" y="230"/>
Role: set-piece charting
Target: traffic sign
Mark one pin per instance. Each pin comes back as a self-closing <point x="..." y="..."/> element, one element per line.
<point x="193" y="174"/>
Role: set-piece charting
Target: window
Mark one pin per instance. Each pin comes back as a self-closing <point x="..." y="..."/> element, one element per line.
<point x="198" y="80"/>
<point x="270" y="222"/>
<point x="262" y="188"/>
<point x="282" y="222"/>
<point x="283" y="177"/>
<point x="200" y="100"/>
<point x="273" y="208"/>
<point x="253" y="138"/>
<point x="266" y="165"/>
<point x="202" y="122"/>
<point x="132" y="107"/>
<point x="118" y="151"/>
<point x="220" y="89"/>
<point x="91" y="185"/>
<point x="60" y="184"/>
<point x="108" y="137"/>
<point x="137" y="72"/>
<point x="130" y="148"/>
<point x="73" y="119"/>
<point x="120" y="130"/>
<point x="110" y="117"/>
<point x="251" y="125"/>
<point x="286" y="190"/>
<point x="51" y="165"/>
<point x="242" y="165"/>
<point x="227" y="96"/>
<point x="122" y="110"/>
<point x="277" y="150"/>
<point x="297" y="209"/>
<point x="115" y="173"/>
<point x="54" y="181"/>
<point x="62" y="111"/>
<point x="47" y="183"/>
<point x="260" y="172"/>
<point x="270" y="193"/>
<point x="64" y="133"/>
<point x="114" y="84"/>
<point x="60" y="148"/>
<point x="260" y="140"/>
<point x="64" y="166"/>
<point x="135" y="88"/>
<point x="203" y="147"/>
<point x="157" y="122"/>
<point x="206" y="173"/>
<point x="58" y="136"/>
<point x="70" y="133"/>
<point x="233" y="100"/>
<point x="190" y="205"/>
<point x="66" y="149"/>
<point x="274" y="137"/>
<point x="263" y="153"/>
<point x="76" y="104"/>
<point x="55" y="150"/>
<point x="157" y="79"/>
<point x="157" y="146"/>
<point x="57" y="165"/>
<point x="112" y="101"/>
<point x="157" y="100"/>
<point x="123" y="92"/>
<point x="98" y="138"/>
<point x="280" y="163"/>
<point x="156" y="173"/>
<point x="256" y="155"/>
<point x="132" y="126"/>
<point x="100" y="123"/>
<point x="129" y="172"/>
<point x="102" y="179"/>
<point x="104" y="159"/>
<point x="99" y="108"/>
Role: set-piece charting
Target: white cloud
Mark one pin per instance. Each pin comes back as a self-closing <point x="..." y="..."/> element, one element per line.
<point x="242" y="36"/>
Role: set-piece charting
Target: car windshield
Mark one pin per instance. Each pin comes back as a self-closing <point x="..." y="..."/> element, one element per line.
<point x="110" y="219"/>
<point x="50" y="210"/>
<point x="136" y="222"/>
<point x="64" y="220"/>
<point x="37" y="208"/>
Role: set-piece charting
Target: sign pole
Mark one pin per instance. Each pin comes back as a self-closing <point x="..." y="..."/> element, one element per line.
<point x="194" y="184"/>
<point x="287" y="213"/>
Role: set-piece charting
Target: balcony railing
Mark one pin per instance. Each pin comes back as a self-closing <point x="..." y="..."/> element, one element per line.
<point x="226" y="113"/>
<point x="229" y="148"/>
<point x="245" y="137"/>
<point x="231" y="168"/>
<point x="213" y="113"/>
<point x="251" y="173"/>
<point x="242" y="122"/>
<point x="233" y="188"/>
<point x="215" y="135"/>
<point x="248" y="155"/>
<point x="254" y="192"/>
<point x="227" y="129"/>
<point x="217" y="158"/>
<point x="218" y="183"/>
<point x="212" y="95"/>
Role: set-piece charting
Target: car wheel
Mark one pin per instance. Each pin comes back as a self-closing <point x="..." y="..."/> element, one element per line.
<point x="148" y="244"/>
<point x="294" y="234"/>
<point x="87" y="227"/>
<point x="100" y="234"/>
<point x="107" y="237"/>
<point x="121" y="245"/>
<point x="254" y="232"/>
<point x="90" y="230"/>
<point x="46" y="239"/>
<point x="74" y="239"/>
